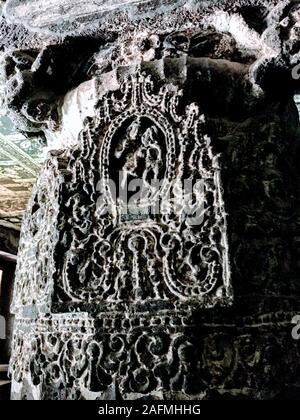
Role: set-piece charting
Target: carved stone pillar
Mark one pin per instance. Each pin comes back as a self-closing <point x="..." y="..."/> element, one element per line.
<point x="175" y="295"/>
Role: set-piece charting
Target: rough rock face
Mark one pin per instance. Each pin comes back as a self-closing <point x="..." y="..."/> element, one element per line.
<point x="117" y="301"/>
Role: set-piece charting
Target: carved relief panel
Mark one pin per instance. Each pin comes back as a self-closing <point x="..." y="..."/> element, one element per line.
<point x="130" y="240"/>
<point x="146" y="218"/>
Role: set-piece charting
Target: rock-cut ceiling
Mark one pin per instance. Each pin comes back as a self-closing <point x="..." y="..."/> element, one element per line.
<point x="20" y="162"/>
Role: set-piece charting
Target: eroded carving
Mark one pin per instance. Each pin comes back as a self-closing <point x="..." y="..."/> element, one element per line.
<point x="31" y="108"/>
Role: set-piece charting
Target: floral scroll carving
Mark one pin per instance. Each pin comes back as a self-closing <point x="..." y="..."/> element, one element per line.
<point x="121" y="259"/>
<point x="142" y="254"/>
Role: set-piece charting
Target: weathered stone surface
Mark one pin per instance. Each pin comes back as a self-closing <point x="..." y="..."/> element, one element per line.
<point x="9" y="236"/>
<point x="66" y="16"/>
<point x="223" y="31"/>
<point x="120" y="304"/>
